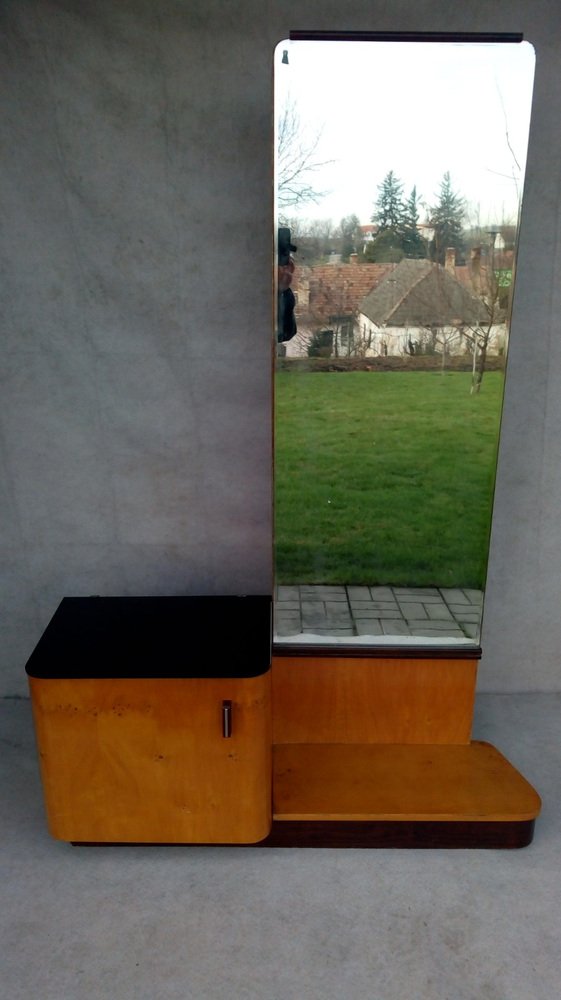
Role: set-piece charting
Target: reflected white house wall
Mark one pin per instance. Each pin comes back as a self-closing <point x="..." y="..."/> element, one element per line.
<point x="136" y="352"/>
<point x="371" y="341"/>
<point x="398" y="339"/>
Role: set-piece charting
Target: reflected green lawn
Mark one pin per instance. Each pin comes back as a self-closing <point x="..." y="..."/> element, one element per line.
<point x="384" y="477"/>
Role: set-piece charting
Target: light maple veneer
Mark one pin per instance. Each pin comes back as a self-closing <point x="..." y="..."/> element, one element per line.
<point x="364" y="700"/>
<point x="472" y="783"/>
<point x="145" y="760"/>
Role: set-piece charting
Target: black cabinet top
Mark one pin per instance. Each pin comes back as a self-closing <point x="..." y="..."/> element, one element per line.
<point x="101" y="637"/>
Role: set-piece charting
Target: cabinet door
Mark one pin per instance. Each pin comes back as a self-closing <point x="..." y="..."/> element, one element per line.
<point x="154" y="760"/>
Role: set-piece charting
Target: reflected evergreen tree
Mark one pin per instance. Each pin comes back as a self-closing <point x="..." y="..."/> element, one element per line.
<point x="385" y="248"/>
<point x="413" y="243"/>
<point x="389" y="211"/>
<point x="388" y="208"/>
<point x="447" y="221"/>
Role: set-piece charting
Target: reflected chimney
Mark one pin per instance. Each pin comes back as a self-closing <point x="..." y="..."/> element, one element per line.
<point x="353" y="258"/>
<point x="450" y="260"/>
<point x="475" y="268"/>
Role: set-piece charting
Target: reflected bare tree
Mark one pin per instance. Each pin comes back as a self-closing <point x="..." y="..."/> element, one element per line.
<point x="297" y="162"/>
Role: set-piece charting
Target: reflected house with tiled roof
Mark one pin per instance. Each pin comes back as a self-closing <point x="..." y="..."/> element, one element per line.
<point x="328" y="297"/>
<point x="421" y="307"/>
<point x="368" y="232"/>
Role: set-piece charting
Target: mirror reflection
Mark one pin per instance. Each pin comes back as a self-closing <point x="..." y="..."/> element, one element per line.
<point x="399" y="174"/>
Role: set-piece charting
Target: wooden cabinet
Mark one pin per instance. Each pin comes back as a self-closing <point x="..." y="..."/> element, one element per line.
<point x="131" y="754"/>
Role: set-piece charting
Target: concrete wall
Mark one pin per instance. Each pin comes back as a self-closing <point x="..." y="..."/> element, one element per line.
<point x="136" y="392"/>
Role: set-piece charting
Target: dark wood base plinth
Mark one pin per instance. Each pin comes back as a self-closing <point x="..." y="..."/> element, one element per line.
<point x="402" y="833"/>
<point x="396" y="834"/>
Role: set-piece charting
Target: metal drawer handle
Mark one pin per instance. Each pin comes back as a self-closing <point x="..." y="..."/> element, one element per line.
<point x="226" y="719"/>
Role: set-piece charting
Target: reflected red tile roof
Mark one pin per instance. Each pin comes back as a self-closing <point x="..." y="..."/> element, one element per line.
<point x="336" y="289"/>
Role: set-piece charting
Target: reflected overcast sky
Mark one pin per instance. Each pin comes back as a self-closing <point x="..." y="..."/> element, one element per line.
<point x="420" y="109"/>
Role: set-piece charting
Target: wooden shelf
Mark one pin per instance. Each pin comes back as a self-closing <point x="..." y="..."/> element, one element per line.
<point x="392" y="782"/>
<point x="335" y="795"/>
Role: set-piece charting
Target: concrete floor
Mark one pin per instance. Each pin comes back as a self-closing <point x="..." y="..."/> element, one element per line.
<point x="180" y="923"/>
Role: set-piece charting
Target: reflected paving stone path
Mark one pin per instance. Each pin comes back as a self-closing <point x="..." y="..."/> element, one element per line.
<point x="355" y="611"/>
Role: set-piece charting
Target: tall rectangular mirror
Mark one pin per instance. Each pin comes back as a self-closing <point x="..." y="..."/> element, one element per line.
<point x="399" y="177"/>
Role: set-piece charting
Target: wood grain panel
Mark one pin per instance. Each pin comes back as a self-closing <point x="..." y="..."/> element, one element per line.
<point x="471" y="783"/>
<point x="339" y="700"/>
<point x="145" y="760"/>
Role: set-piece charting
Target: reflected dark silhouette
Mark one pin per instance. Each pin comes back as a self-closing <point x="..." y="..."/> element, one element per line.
<point x="286" y="322"/>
